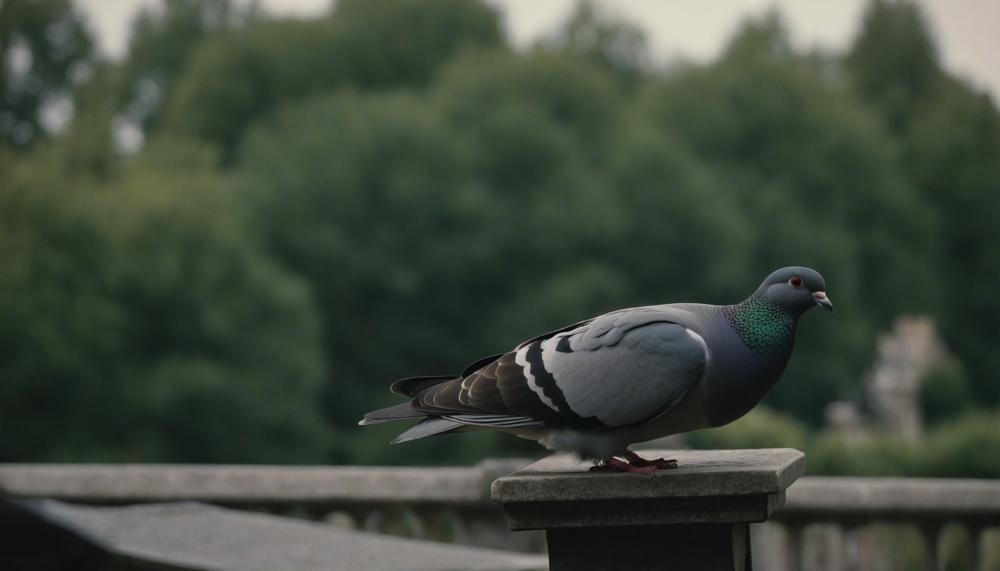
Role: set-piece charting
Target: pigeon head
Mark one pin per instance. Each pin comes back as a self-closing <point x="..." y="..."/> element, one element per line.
<point x="795" y="289"/>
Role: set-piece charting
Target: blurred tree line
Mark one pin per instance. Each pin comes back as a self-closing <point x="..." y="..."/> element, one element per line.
<point x="250" y="225"/>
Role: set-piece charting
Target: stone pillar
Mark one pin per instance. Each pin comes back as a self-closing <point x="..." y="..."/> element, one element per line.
<point x="694" y="517"/>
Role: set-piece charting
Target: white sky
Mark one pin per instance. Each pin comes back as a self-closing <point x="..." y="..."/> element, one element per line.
<point x="967" y="31"/>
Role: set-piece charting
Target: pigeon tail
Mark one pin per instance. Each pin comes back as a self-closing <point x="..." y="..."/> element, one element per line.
<point x="412" y="386"/>
<point x="400" y="411"/>
<point x="426" y="427"/>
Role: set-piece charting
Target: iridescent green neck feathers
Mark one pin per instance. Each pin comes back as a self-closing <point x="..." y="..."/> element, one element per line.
<point x="767" y="329"/>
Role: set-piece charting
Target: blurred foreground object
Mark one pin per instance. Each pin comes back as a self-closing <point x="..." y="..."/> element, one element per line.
<point x="32" y="540"/>
<point x="191" y="536"/>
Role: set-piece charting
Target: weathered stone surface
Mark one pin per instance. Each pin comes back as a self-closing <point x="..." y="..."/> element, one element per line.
<point x="721" y="486"/>
<point x="861" y="500"/>
<point x="198" y="537"/>
<point x="125" y="483"/>
<point x="693" y="517"/>
<point x="699" y="473"/>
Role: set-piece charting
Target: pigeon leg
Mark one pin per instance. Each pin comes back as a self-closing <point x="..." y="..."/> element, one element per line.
<point x="658" y="463"/>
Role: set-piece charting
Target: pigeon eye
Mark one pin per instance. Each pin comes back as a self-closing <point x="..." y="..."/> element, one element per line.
<point x="796" y="281"/>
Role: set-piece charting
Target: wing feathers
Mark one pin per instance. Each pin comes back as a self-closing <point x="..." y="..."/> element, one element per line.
<point x="619" y="369"/>
<point x="398" y="412"/>
<point x="426" y="427"/>
<point x="411" y="386"/>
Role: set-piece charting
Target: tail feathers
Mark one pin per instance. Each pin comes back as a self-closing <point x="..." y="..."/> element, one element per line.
<point x="400" y="411"/>
<point x="426" y="427"/>
<point x="411" y="386"/>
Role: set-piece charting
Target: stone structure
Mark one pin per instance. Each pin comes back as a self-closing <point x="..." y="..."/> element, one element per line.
<point x="845" y="505"/>
<point x="844" y="418"/>
<point x="443" y="504"/>
<point x="903" y="357"/>
<point x="826" y="524"/>
<point x="694" y="517"/>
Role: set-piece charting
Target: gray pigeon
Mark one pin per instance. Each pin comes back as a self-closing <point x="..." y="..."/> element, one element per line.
<point x="628" y="376"/>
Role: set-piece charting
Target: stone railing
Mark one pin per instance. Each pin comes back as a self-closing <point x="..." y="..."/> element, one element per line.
<point x="445" y="504"/>
<point x="826" y="523"/>
<point x="842" y="509"/>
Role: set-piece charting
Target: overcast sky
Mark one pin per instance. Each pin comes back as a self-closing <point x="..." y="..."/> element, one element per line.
<point x="967" y="31"/>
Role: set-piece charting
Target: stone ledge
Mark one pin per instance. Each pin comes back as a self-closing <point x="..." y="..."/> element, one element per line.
<point x="699" y="473"/>
<point x="721" y="486"/>
<point x="863" y="500"/>
<point x="252" y="485"/>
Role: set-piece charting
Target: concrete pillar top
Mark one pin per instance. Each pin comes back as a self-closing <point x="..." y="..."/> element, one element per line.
<point x="708" y="486"/>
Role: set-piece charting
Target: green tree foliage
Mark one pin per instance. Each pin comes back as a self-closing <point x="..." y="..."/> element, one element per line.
<point x="162" y="40"/>
<point x="944" y="391"/>
<point x="238" y="77"/>
<point x="139" y="324"/>
<point x="343" y="185"/>
<point x="391" y="190"/>
<point x="954" y="150"/>
<point x="44" y="50"/>
<point x="964" y="446"/>
<point x="950" y="139"/>
<point x="536" y="145"/>
<point x="894" y="62"/>
<point x="817" y="179"/>
<point x="762" y="428"/>
<point x="592" y="33"/>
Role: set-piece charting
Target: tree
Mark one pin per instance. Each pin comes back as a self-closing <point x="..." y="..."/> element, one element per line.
<point x="139" y="324"/>
<point x="162" y="41"/>
<point x="513" y="197"/>
<point x="45" y="51"/>
<point x="817" y="177"/>
<point x="953" y="149"/>
<point x="894" y="62"/>
<point x="592" y="33"/>
<point x="950" y="140"/>
<point x="365" y="196"/>
<point x="237" y="78"/>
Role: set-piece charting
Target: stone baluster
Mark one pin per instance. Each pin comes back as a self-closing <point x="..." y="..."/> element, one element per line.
<point x="977" y="547"/>
<point x="794" y="551"/>
<point x="931" y="531"/>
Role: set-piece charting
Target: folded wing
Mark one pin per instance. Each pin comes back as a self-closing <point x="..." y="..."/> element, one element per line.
<point x="619" y="369"/>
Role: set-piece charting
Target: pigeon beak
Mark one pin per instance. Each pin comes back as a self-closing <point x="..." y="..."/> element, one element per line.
<point x="822" y="300"/>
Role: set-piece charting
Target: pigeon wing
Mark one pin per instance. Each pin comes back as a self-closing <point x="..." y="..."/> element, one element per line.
<point x="619" y="369"/>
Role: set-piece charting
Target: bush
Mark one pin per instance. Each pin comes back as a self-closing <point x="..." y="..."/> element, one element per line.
<point x="761" y="428"/>
<point x="139" y="324"/>
<point x="832" y="455"/>
<point x="944" y="391"/>
<point x="967" y="447"/>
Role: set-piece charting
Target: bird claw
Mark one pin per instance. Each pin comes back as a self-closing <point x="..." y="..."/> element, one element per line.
<point x="659" y="463"/>
<point x="617" y="465"/>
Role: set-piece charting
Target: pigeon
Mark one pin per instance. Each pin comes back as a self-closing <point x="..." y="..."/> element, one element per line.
<point x="596" y="387"/>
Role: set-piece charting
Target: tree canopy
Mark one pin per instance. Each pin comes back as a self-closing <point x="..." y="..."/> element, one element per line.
<point x="318" y="207"/>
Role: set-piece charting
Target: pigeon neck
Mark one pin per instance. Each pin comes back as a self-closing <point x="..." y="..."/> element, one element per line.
<point x="768" y="330"/>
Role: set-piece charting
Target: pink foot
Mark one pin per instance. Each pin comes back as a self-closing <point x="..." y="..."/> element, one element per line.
<point x="616" y="465"/>
<point x="657" y="463"/>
